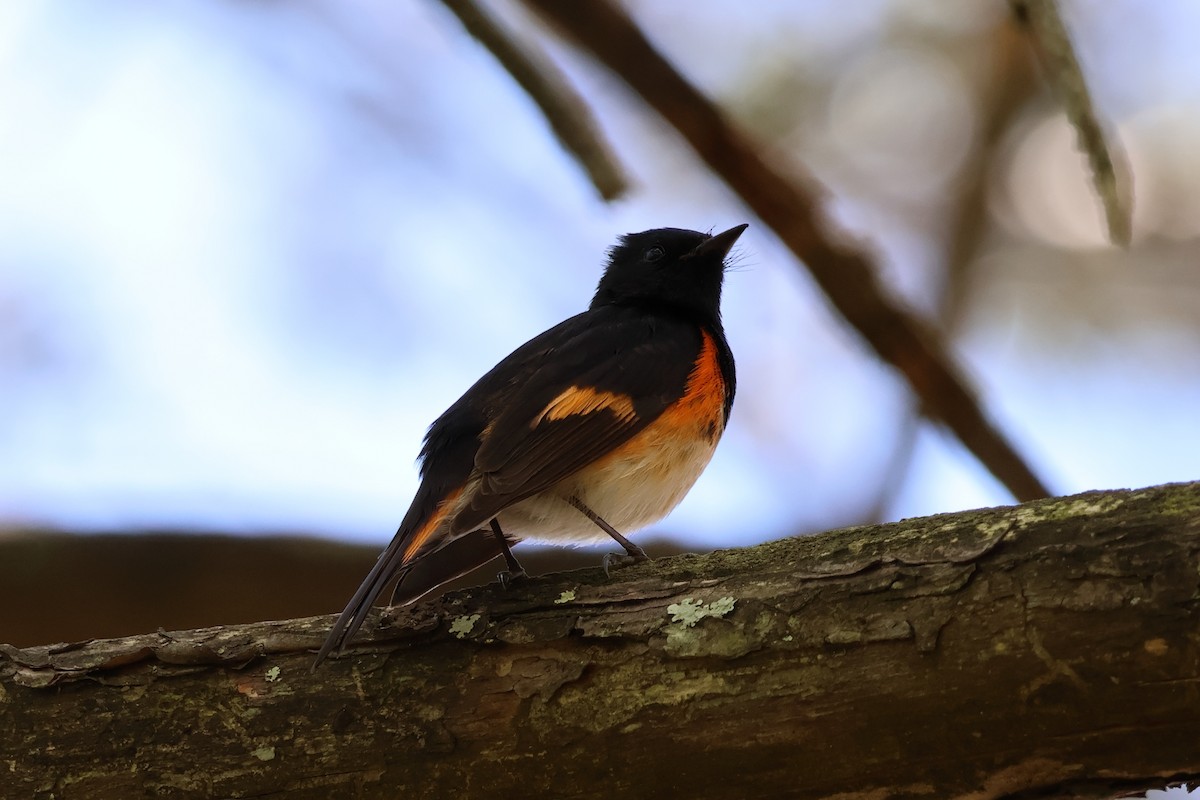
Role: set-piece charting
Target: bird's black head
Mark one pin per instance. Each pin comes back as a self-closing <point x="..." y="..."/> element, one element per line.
<point x="668" y="268"/>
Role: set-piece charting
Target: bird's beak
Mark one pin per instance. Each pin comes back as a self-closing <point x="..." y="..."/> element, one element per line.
<point x="717" y="247"/>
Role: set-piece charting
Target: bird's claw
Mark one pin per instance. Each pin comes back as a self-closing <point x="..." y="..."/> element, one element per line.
<point x="507" y="578"/>
<point x="620" y="560"/>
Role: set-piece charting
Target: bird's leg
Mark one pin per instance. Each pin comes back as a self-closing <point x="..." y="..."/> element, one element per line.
<point x="515" y="571"/>
<point x="633" y="553"/>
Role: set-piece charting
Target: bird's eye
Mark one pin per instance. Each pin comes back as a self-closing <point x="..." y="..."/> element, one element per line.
<point x="655" y="253"/>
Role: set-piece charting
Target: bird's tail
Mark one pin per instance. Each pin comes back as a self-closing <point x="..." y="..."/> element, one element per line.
<point x="351" y="619"/>
<point x="417" y="577"/>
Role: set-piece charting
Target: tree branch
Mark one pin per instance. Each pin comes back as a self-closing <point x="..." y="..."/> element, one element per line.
<point x="1048" y="648"/>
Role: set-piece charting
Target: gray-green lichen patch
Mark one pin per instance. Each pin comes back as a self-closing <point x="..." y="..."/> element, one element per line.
<point x="1176" y="500"/>
<point x="688" y="612"/>
<point x="461" y="626"/>
<point x="566" y="597"/>
<point x="265" y="753"/>
<point x="272" y="674"/>
<point x="731" y="639"/>
<point x="992" y="529"/>
<point x="1086" y="504"/>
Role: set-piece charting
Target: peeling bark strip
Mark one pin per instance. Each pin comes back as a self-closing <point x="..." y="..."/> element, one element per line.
<point x="1050" y="647"/>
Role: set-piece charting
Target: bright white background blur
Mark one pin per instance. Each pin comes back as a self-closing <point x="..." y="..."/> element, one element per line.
<point x="249" y="251"/>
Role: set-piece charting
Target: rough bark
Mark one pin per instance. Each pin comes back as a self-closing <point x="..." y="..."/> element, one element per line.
<point x="1049" y="649"/>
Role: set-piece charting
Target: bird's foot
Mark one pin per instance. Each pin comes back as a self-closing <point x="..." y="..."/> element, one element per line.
<point x="635" y="555"/>
<point x="507" y="578"/>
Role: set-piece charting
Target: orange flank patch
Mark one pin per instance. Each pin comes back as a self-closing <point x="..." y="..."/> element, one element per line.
<point x="578" y="400"/>
<point x="696" y="419"/>
<point x="702" y="406"/>
<point x="431" y="525"/>
<point x="664" y="459"/>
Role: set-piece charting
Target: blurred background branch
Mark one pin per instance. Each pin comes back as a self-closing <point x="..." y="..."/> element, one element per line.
<point x="1003" y="90"/>
<point x="565" y="111"/>
<point x="1110" y="167"/>
<point x="1006" y="89"/>
<point x="789" y="207"/>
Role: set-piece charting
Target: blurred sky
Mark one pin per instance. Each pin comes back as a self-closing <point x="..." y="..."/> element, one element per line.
<point x="248" y="251"/>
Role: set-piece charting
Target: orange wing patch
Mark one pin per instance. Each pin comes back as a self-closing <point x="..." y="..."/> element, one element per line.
<point x="579" y="400"/>
<point x="427" y="530"/>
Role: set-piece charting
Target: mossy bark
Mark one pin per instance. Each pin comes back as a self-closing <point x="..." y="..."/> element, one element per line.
<point x="1050" y="647"/>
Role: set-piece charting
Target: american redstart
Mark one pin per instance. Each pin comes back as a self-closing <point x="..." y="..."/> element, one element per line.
<point x="599" y="425"/>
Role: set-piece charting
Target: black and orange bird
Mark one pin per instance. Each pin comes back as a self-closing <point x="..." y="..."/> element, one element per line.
<point x="597" y="426"/>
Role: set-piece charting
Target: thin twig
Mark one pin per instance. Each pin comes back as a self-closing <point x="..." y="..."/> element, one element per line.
<point x="1111" y="175"/>
<point x="569" y="117"/>
<point x="845" y="274"/>
<point x="1009" y="86"/>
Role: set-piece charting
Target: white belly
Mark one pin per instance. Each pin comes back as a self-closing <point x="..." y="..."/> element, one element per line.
<point x="629" y="492"/>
